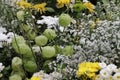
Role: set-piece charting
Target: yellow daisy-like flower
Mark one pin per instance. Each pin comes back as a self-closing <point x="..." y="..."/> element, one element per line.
<point x="23" y="4"/>
<point x="35" y="78"/>
<point x="90" y="74"/>
<point x="88" y="68"/>
<point x="40" y="7"/>
<point x="89" y="6"/>
<point x="62" y="3"/>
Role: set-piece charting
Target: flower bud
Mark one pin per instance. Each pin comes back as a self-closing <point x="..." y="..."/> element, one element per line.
<point x="48" y="52"/>
<point x="31" y="34"/>
<point x="16" y="63"/>
<point x="24" y="49"/>
<point x="41" y="40"/>
<point x="19" y="72"/>
<point x="26" y="27"/>
<point x="30" y="66"/>
<point x="64" y="20"/>
<point x="18" y="39"/>
<point x="20" y="15"/>
<point x="50" y="34"/>
<point x="15" y="77"/>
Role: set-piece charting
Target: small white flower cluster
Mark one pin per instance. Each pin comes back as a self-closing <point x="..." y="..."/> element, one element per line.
<point x="1" y="67"/>
<point x="5" y="37"/>
<point x="108" y="72"/>
<point x="70" y="62"/>
<point x="51" y="76"/>
<point x="100" y="41"/>
<point x="51" y="22"/>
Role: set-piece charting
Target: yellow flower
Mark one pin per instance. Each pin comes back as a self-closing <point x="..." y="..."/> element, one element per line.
<point x="92" y="69"/>
<point x="23" y="4"/>
<point x="89" y="6"/>
<point x="35" y="78"/>
<point x="88" y="68"/>
<point x="62" y="3"/>
<point x="81" y="71"/>
<point x="90" y="74"/>
<point x="40" y="7"/>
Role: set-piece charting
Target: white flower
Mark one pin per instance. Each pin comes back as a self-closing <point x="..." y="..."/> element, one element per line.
<point x="112" y="67"/>
<point x="85" y="1"/>
<point x="9" y="37"/>
<point x="10" y="34"/>
<point x="3" y="37"/>
<point x="110" y="78"/>
<point x="105" y="73"/>
<point x="56" y="75"/>
<point x="50" y="21"/>
<point x="116" y="76"/>
<point x="117" y="70"/>
<point x="1" y="67"/>
<point x="9" y="40"/>
<point x="39" y="74"/>
<point x="102" y="65"/>
<point x="82" y="40"/>
<point x="36" y="48"/>
<point x="98" y="77"/>
<point x="61" y="29"/>
<point x="47" y="77"/>
<point x="43" y="76"/>
<point x="2" y="30"/>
